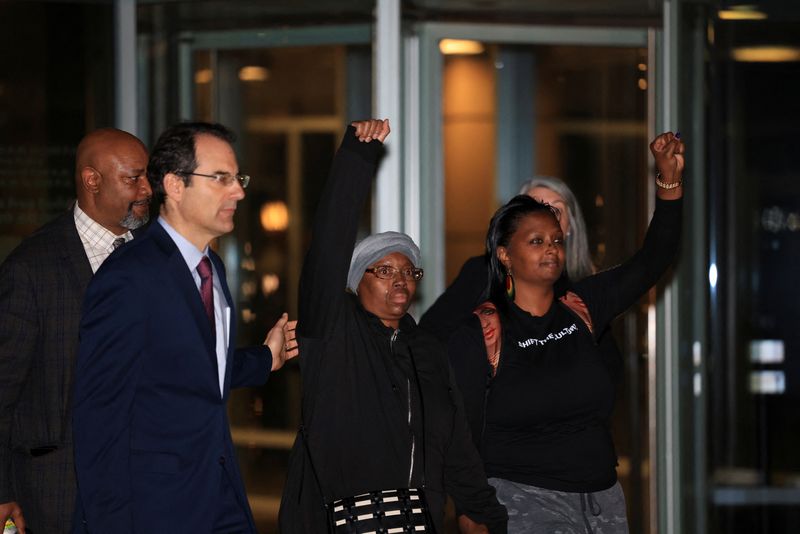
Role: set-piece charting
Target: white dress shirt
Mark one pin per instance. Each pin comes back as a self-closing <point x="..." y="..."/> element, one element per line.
<point x="222" y="312"/>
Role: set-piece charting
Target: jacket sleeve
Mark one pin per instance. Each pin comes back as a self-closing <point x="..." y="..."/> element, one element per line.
<point x="609" y="293"/>
<point x="324" y="276"/>
<point x="458" y="300"/>
<point x="18" y="333"/>
<point x="464" y="476"/>
<point x="112" y="331"/>
<point x="466" y="352"/>
<point x="251" y="366"/>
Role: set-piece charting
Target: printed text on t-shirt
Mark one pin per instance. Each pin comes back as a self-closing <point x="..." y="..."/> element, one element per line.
<point x="552" y="336"/>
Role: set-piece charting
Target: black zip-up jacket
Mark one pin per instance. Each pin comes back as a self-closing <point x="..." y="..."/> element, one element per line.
<point x="359" y="384"/>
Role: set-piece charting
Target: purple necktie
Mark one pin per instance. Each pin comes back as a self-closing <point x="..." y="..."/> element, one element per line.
<point x="207" y="288"/>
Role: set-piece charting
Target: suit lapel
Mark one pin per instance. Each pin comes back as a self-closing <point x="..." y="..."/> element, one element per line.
<point x="185" y="286"/>
<point x="77" y="272"/>
<point x="74" y="254"/>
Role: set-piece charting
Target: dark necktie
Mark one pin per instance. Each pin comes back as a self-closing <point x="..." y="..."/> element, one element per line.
<point x="207" y="288"/>
<point x="118" y="242"/>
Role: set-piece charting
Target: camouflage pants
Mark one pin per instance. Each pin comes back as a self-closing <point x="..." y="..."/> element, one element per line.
<point x="533" y="510"/>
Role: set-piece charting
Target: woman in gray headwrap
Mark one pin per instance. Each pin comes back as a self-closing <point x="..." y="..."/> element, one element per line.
<point x="381" y="414"/>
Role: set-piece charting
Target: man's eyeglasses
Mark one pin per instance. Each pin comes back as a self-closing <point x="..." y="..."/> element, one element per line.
<point x="221" y="178"/>
<point x="387" y="272"/>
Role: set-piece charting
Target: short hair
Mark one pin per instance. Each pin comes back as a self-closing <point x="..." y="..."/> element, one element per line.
<point x="502" y="227"/>
<point x="578" y="258"/>
<point x="175" y="151"/>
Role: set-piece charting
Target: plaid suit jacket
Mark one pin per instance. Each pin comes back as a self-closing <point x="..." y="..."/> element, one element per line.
<point x="42" y="283"/>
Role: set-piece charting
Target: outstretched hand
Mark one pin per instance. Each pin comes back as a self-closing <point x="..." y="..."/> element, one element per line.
<point x="277" y="342"/>
<point x="371" y="129"/>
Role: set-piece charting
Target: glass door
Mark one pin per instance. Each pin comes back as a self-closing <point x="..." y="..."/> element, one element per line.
<point x="755" y="299"/>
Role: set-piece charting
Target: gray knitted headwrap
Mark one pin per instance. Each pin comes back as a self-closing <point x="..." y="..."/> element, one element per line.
<point x="376" y="246"/>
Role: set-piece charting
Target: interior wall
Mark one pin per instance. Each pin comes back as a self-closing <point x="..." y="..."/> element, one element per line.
<point x="469" y="137"/>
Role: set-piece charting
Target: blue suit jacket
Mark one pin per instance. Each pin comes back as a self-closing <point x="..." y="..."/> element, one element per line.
<point x="151" y="432"/>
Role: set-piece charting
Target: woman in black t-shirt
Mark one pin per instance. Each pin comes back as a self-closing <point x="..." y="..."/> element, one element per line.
<point x="541" y="421"/>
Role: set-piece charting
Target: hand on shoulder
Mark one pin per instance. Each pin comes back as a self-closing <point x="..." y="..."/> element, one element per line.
<point x="367" y="130"/>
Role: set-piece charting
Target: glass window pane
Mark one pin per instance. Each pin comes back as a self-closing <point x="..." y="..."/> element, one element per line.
<point x="755" y="246"/>
<point x="54" y="89"/>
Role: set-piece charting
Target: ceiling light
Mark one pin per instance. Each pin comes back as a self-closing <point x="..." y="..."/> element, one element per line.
<point x="766" y="54"/>
<point x="741" y="13"/>
<point x="253" y="74"/>
<point x="460" y="47"/>
<point x="203" y="76"/>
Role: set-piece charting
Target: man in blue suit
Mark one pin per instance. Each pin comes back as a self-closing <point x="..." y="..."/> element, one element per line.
<point x="156" y="362"/>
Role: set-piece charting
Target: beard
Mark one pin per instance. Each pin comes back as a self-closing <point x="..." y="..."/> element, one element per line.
<point x="131" y="221"/>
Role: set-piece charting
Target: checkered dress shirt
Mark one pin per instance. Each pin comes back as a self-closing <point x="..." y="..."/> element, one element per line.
<point x="98" y="242"/>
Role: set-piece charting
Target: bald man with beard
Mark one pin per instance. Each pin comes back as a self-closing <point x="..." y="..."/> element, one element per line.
<point x="42" y="284"/>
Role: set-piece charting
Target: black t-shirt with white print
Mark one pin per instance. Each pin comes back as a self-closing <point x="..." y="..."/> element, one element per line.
<point x="543" y="420"/>
<point x="550" y="399"/>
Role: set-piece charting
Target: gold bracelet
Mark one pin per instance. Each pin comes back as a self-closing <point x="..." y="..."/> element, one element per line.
<point x="664" y="185"/>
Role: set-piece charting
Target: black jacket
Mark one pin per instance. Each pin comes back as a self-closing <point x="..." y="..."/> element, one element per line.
<point x="42" y="283"/>
<point x="358" y="377"/>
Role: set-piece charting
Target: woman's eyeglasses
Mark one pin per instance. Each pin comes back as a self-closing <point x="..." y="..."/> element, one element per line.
<point x="387" y="272"/>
